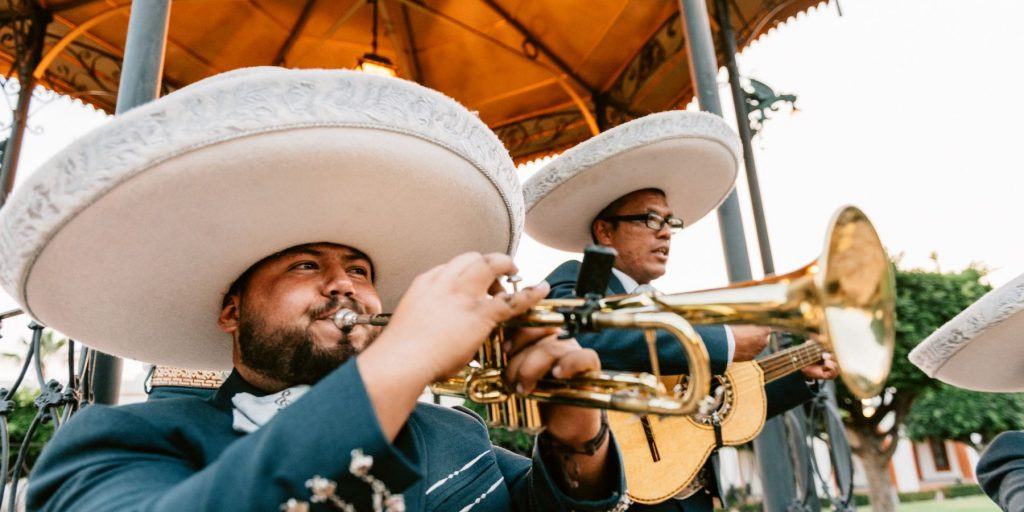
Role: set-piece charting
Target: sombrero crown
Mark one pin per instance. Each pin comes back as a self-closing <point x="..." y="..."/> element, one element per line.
<point x="128" y="239"/>
<point x="690" y="156"/>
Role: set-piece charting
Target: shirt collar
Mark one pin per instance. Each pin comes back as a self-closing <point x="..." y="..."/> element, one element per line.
<point x="233" y="385"/>
<point x="628" y="283"/>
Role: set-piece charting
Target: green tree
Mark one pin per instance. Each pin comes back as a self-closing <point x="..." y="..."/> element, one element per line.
<point x="924" y="301"/>
<point x="948" y="412"/>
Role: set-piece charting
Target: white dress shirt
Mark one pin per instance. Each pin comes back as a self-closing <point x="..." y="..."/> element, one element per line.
<point x="630" y="285"/>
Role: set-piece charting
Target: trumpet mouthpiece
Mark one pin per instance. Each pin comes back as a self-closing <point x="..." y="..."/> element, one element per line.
<point x="346" y="319"/>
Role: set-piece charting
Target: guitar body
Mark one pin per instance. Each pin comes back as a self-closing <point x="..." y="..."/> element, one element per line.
<point x="683" y="443"/>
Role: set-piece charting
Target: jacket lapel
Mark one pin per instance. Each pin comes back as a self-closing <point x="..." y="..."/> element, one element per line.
<point x="615" y="286"/>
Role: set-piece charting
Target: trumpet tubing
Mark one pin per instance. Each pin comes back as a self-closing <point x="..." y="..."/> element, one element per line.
<point x="642" y="393"/>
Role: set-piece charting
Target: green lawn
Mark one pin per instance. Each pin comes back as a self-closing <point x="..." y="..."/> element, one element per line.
<point x="968" y="504"/>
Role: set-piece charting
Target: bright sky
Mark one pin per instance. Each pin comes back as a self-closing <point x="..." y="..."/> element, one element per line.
<point x="909" y="110"/>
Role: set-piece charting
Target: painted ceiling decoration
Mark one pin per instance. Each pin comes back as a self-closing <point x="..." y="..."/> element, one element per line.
<point x="544" y="75"/>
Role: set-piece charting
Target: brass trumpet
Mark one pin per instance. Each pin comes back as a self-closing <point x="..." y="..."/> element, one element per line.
<point x="641" y="393"/>
<point x="846" y="298"/>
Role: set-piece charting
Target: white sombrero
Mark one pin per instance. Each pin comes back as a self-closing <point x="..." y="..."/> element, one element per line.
<point x="128" y="239"/>
<point x="982" y="348"/>
<point x="691" y="156"/>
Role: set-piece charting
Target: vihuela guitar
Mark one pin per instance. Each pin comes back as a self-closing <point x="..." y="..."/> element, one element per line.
<point x="663" y="454"/>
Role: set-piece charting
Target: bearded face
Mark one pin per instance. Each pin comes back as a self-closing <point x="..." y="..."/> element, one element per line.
<point x="281" y="310"/>
<point x="292" y="354"/>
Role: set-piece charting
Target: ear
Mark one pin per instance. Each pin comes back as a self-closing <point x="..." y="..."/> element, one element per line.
<point x="228" y="319"/>
<point x="603" y="232"/>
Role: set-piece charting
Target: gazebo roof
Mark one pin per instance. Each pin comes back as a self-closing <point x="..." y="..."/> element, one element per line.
<point x="535" y="71"/>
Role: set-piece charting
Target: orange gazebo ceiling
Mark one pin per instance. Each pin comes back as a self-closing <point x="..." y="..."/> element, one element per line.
<point x="543" y="74"/>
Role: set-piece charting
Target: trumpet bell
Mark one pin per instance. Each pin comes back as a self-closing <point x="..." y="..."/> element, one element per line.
<point x="846" y="297"/>
<point x="858" y="289"/>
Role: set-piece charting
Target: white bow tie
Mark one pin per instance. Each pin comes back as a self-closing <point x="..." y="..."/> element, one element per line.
<point x="252" y="412"/>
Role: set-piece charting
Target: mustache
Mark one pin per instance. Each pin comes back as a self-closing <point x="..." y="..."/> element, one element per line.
<point x="334" y="304"/>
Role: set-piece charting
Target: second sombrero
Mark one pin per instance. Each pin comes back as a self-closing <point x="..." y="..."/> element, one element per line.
<point x="692" y="157"/>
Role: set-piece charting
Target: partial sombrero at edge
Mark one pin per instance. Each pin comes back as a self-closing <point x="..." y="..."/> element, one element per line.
<point x="982" y="348"/>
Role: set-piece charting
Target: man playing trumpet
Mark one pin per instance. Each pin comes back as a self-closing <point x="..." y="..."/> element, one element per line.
<point x="679" y="166"/>
<point x="262" y="200"/>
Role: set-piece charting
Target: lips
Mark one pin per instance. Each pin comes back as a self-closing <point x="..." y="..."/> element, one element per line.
<point x="662" y="253"/>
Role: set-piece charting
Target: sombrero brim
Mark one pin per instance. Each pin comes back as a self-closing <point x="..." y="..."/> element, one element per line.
<point x="128" y="239"/>
<point x="982" y="348"/>
<point x="692" y="157"/>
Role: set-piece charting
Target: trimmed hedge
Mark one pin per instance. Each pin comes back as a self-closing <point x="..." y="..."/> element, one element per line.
<point x="906" y="497"/>
<point x="956" y="491"/>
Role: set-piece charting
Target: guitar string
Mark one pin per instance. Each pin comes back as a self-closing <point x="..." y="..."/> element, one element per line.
<point x="782" y="363"/>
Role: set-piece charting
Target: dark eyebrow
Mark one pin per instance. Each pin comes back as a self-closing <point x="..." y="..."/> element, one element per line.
<point x="292" y="251"/>
<point x="356" y="254"/>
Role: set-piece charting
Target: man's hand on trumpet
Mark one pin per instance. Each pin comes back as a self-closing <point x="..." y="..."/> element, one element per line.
<point x="441" y="321"/>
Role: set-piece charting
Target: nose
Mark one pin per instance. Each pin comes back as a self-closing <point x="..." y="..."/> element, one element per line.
<point x="338" y="282"/>
<point x="665" y="233"/>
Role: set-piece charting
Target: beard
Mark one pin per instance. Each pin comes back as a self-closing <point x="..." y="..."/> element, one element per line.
<point x="291" y="354"/>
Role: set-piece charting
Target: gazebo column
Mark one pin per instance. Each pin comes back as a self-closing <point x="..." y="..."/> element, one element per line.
<point x="770" y="446"/>
<point x="29" y="58"/>
<point x="141" y="74"/>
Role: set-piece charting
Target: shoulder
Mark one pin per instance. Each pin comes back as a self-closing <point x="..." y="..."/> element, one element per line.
<point x="1005" y="445"/>
<point x="564" y="273"/>
<point x="136" y="419"/>
<point x="567" y="267"/>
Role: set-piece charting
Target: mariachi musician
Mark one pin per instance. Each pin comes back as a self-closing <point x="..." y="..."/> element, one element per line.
<point x="225" y="225"/>
<point x="631" y="188"/>
<point x="981" y="349"/>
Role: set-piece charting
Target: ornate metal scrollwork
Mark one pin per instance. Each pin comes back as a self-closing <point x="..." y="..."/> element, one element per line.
<point x="760" y="99"/>
<point x="665" y="43"/>
<point x="86" y="71"/>
<point x="543" y="134"/>
<point x="54" y="404"/>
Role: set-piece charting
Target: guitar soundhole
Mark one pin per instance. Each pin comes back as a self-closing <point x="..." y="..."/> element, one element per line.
<point x="721" y="390"/>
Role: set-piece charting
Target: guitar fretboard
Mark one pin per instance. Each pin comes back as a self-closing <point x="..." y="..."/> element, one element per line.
<point x="791" y="360"/>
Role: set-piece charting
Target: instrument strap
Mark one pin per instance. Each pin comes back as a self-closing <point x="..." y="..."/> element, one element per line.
<point x="716" y="423"/>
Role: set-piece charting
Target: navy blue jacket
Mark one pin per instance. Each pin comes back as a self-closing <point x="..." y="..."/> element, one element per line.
<point x="181" y="453"/>
<point x="1001" y="471"/>
<point x="626" y="350"/>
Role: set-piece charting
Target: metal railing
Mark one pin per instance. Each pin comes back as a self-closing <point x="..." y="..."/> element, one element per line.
<point x="55" y="403"/>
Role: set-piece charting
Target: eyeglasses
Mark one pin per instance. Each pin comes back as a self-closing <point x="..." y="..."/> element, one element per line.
<point x="651" y="220"/>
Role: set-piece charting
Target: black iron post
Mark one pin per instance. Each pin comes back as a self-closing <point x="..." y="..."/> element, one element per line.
<point x="773" y="461"/>
<point x="141" y="73"/>
<point x="27" y="63"/>
<point x="728" y="40"/>
<point x="795" y="428"/>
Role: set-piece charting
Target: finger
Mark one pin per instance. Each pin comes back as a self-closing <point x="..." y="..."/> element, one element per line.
<point x="535" y="361"/>
<point x="457" y="265"/>
<point x="518" y="339"/>
<point x="831" y="368"/>
<point x="507" y="306"/>
<point x="497" y="289"/>
<point x="814" y="373"/>
<point x="486" y="270"/>
<point x="575" y="363"/>
<point x="431" y="275"/>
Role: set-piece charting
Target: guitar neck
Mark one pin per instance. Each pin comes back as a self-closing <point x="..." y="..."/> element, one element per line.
<point x="791" y="360"/>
